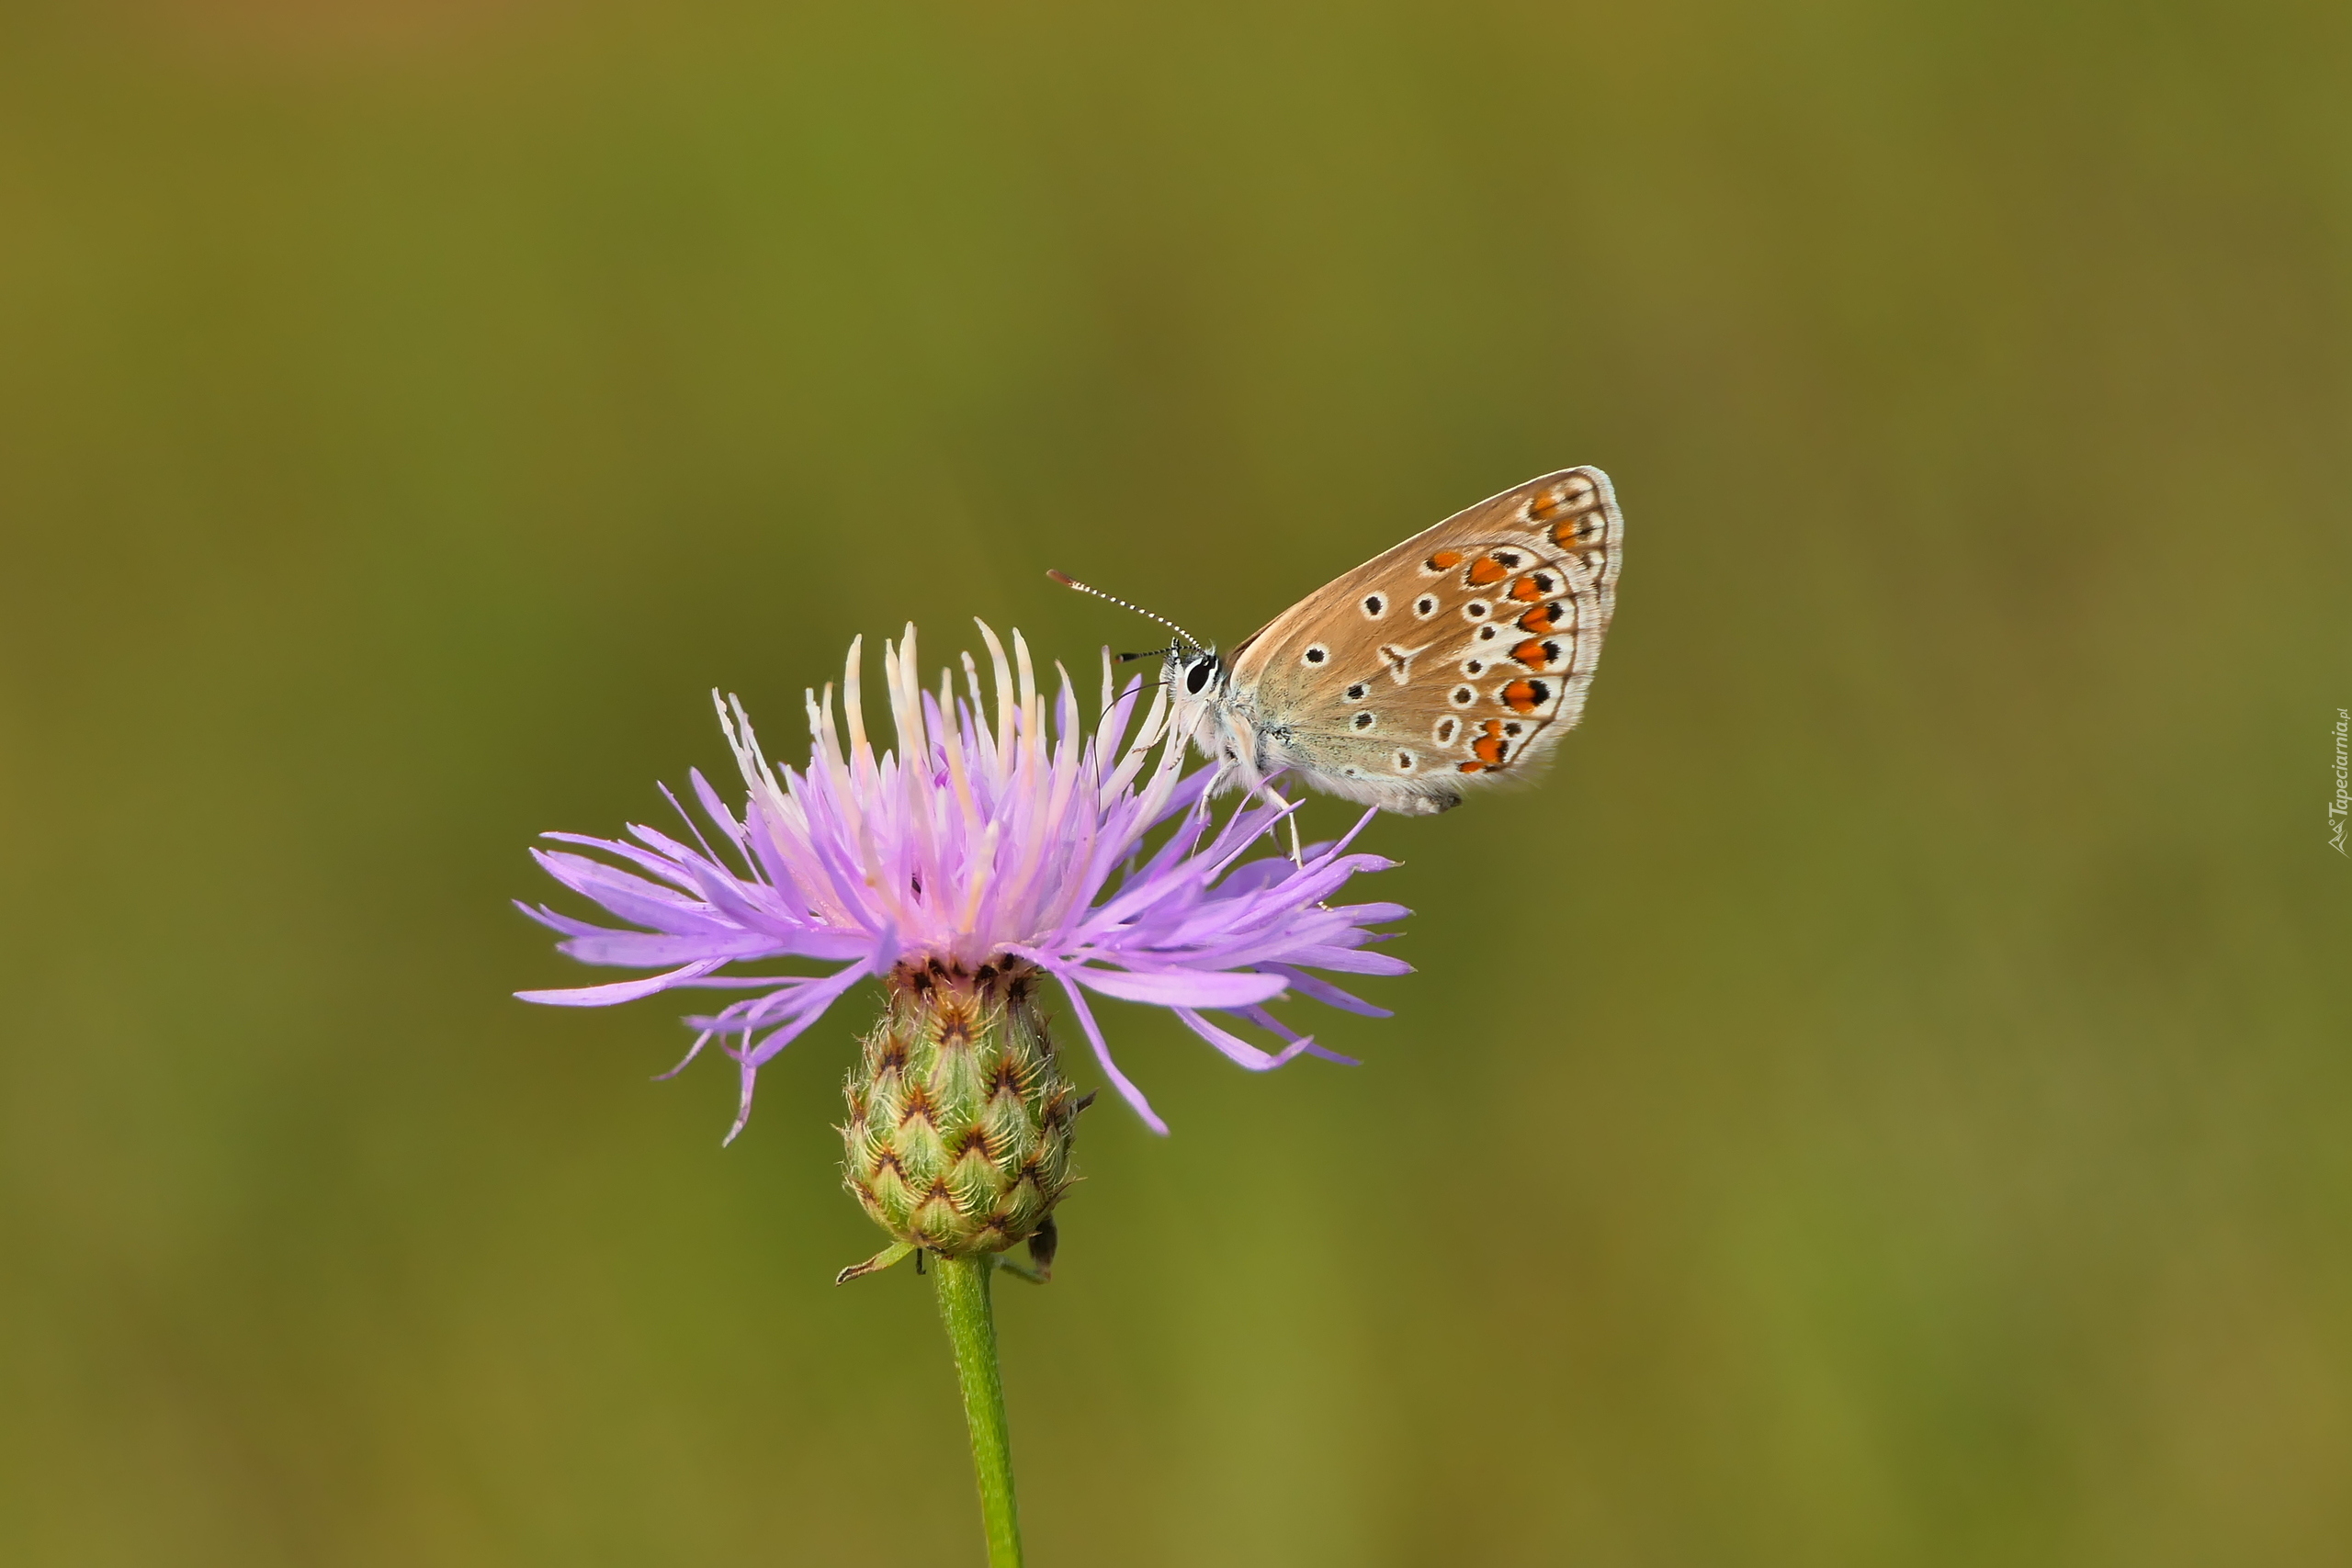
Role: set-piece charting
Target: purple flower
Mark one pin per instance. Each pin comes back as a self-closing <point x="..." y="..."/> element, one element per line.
<point x="976" y="840"/>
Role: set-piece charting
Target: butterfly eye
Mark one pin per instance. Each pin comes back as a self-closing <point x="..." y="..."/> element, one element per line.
<point x="1374" y="607"/>
<point x="1317" y="654"/>
<point x="1196" y="679"/>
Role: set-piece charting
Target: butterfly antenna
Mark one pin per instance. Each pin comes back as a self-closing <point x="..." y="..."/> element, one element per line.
<point x="1187" y="638"/>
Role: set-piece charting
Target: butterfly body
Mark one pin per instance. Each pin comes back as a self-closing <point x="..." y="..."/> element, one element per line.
<point x="1455" y="660"/>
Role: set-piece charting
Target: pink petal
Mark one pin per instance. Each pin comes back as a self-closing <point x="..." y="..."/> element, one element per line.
<point x="1127" y="1091"/>
<point x="1239" y="1050"/>
<point x="1182" y="987"/>
<point x="620" y="990"/>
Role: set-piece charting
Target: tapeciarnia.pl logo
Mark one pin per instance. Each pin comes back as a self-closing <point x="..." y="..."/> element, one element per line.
<point x="2337" y="808"/>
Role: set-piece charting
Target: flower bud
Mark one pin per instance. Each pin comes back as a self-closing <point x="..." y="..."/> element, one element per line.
<point x="960" y="1122"/>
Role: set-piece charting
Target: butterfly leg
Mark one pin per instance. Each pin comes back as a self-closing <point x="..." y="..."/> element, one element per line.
<point x="1290" y="817"/>
<point x="1238" y="746"/>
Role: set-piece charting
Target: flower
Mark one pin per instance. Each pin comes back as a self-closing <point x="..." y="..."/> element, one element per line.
<point x="976" y="842"/>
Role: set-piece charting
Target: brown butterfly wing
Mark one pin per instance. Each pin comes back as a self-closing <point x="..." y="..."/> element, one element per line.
<point x="1456" y="658"/>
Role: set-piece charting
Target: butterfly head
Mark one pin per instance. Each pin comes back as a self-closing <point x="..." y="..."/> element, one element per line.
<point x="1194" y="670"/>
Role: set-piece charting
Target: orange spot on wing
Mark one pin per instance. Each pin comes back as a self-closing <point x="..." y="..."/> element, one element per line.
<point x="1544" y="508"/>
<point x="1535" y="653"/>
<point x="1522" y="696"/>
<point x="1486" y="570"/>
<point x="1490" y="746"/>
<point x="1445" y="560"/>
<point x="1527" y="591"/>
<point x="1568" y="530"/>
<point x="1471" y="767"/>
<point x="1543" y="618"/>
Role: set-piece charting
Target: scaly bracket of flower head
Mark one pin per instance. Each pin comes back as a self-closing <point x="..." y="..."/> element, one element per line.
<point x="1015" y="839"/>
<point x="960" y="1122"/>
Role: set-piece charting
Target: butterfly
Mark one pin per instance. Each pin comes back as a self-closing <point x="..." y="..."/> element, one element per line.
<point x="1454" y="661"/>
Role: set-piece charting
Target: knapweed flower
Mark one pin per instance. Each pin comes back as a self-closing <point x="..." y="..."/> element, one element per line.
<point x="979" y="860"/>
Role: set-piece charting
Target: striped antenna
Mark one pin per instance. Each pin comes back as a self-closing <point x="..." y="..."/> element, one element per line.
<point x="1187" y="638"/>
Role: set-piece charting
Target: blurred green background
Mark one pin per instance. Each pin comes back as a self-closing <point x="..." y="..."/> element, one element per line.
<point x="1921" y="1136"/>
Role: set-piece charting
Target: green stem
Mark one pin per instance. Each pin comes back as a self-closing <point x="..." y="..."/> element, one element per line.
<point x="971" y="1329"/>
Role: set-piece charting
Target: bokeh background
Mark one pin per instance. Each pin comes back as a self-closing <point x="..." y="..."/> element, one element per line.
<point x="1883" y="1100"/>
